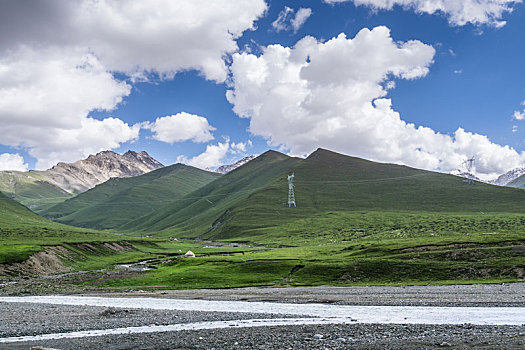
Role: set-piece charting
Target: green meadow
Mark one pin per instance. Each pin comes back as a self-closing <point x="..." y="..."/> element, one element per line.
<point x="360" y="248"/>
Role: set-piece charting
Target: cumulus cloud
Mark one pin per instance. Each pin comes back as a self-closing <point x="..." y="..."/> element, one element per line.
<point x="46" y="97"/>
<point x="333" y="94"/>
<point x="288" y="19"/>
<point x="55" y="88"/>
<point x="51" y="144"/>
<point x="240" y="147"/>
<point x="181" y="127"/>
<point x="136" y="36"/>
<point x="9" y="161"/>
<point x="212" y="157"/>
<point x="58" y="63"/>
<point x="215" y="155"/>
<point x="519" y="115"/>
<point x="458" y="12"/>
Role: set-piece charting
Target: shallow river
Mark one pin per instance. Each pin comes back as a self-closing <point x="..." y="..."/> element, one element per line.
<point x="305" y="314"/>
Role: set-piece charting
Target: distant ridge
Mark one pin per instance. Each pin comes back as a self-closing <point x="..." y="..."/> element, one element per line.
<point x="508" y="177"/>
<point x="40" y="189"/>
<point x="84" y="174"/>
<point x="119" y="200"/>
<point x="253" y="196"/>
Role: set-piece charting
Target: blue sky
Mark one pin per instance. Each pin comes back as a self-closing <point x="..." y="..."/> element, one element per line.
<point x="473" y="80"/>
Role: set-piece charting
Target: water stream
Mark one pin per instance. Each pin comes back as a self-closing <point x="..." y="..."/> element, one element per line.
<point x="305" y="314"/>
<point x="363" y="314"/>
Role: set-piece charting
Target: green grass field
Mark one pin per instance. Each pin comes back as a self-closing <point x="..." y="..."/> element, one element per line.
<point x="23" y="232"/>
<point x="342" y="248"/>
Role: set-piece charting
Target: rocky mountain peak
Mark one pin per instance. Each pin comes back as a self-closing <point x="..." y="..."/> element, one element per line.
<point x="98" y="168"/>
<point x="224" y="169"/>
<point x="508" y="177"/>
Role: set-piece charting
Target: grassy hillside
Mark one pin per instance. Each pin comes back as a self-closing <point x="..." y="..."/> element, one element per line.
<point x="330" y="182"/>
<point x="120" y="200"/>
<point x="254" y="196"/>
<point x="201" y="209"/>
<point x="31" y="189"/>
<point x="23" y="232"/>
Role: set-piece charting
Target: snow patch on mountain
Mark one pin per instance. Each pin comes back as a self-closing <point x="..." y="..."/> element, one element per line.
<point x="224" y="169"/>
<point x="508" y="177"/>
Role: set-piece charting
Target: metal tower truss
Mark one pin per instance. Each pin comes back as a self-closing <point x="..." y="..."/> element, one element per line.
<point x="291" y="194"/>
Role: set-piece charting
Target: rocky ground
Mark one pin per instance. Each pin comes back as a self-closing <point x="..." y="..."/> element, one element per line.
<point x="358" y="336"/>
<point x="508" y="294"/>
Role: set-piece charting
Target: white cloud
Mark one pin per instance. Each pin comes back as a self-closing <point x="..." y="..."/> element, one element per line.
<point x="9" y="161"/>
<point x="58" y="62"/>
<point x="288" y="19"/>
<point x="215" y="155"/>
<point x="458" y="12"/>
<point x="300" y="18"/>
<point x="55" y="87"/>
<point x="212" y="157"/>
<point x="137" y="36"/>
<point x="51" y="144"/>
<point x="458" y="71"/>
<point x="332" y="95"/>
<point x="240" y="147"/>
<point x="514" y="128"/>
<point x="181" y="127"/>
<point x="519" y="115"/>
<point x="46" y="97"/>
<point x="283" y="19"/>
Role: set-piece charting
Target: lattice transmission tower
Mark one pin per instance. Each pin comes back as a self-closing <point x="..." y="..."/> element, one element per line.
<point x="291" y="194"/>
<point x="469" y="163"/>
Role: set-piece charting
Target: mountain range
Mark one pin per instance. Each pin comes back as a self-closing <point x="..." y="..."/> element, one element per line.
<point x="133" y="191"/>
<point x="120" y="200"/>
<point x="39" y="190"/>
<point x="254" y="196"/>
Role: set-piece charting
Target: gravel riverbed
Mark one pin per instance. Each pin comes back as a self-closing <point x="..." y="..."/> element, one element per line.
<point x="509" y="294"/>
<point x="358" y="336"/>
<point x="19" y="319"/>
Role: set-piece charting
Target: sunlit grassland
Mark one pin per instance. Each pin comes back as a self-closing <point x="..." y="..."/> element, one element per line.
<point x="355" y="248"/>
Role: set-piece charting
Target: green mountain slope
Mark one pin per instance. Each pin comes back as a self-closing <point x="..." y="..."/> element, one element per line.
<point x="324" y="182"/>
<point x="21" y="227"/>
<point x="330" y="182"/>
<point x="201" y="209"/>
<point x="31" y="189"/>
<point x="517" y="183"/>
<point x="14" y="214"/>
<point x="120" y="200"/>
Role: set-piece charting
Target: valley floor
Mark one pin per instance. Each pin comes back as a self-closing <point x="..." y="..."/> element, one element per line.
<point x="493" y="318"/>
